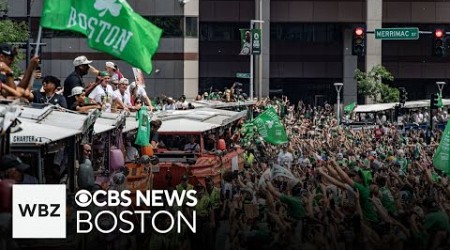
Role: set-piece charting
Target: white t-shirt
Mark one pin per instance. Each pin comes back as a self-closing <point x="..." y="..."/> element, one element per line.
<point x="140" y="91"/>
<point x="98" y="92"/>
<point x="125" y="98"/>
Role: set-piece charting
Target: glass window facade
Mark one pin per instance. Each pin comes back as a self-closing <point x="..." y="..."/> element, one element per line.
<point x="306" y="32"/>
<point x="220" y="32"/>
<point x="172" y="26"/>
<point x="191" y="26"/>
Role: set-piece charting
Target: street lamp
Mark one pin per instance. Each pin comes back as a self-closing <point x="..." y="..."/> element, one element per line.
<point x="338" y="87"/>
<point x="441" y="87"/>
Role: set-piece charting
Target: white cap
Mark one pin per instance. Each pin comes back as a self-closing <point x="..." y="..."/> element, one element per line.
<point x="76" y="91"/>
<point x="133" y="85"/>
<point x="124" y="81"/>
<point x="81" y="60"/>
<point x="110" y="65"/>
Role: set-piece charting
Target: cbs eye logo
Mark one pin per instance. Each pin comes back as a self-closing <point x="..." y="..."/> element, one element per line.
<point x="83" y="198"/>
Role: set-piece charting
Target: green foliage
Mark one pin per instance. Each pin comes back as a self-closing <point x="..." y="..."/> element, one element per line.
<point x="14" y="32"/>
<point x="372" y="84"/>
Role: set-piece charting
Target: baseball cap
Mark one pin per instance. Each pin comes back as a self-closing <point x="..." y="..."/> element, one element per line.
<point x="76" y="91"/>
<point x="81" y="60"/>
<point x="110" y="65"/>
<point x="133" y="85"/>
<point x="104" y="73"/>
<point x="7" y="50"/>
<point x="53" y="80"/>
<point x="124" y="81"/>
<point x="12" y="161"/>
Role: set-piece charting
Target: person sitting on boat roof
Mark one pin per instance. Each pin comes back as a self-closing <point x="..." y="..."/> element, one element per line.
<point x="49" y="95"/>
<point x="82" y="103"/>
<point x="192" y="145"/>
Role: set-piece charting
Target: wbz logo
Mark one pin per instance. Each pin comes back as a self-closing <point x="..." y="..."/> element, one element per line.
<point x="39" y="211"/>
<point x="42" y="210"/>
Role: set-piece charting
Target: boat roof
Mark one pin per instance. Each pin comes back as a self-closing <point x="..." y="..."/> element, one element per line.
<point x="36" y="134"/>
<point x="195" y="120"/>
<point x="368" y="108"/>
<point x="221" y="104"/>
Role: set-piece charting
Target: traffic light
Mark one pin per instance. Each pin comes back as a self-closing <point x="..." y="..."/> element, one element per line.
<point x="434" y="101"/>
<point x="439" y="43"/>
<point x="403" y="95"/>
<point x="359" y="42"/>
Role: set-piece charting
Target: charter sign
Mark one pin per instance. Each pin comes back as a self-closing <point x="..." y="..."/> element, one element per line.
<point x="99" y="30"/>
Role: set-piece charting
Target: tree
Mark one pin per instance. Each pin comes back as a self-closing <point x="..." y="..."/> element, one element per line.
<point x="372" y="84"/>
<point x="14" y="32"/>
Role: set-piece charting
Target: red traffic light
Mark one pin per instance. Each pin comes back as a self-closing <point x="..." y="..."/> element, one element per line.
<point x="438" y="33"/>
<point x="359" y="31"/>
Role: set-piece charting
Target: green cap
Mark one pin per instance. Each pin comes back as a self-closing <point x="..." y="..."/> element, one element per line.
<point x="104" y="73"/>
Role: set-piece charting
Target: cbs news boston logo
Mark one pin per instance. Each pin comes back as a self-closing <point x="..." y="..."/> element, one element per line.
<point x="39" y="211"/>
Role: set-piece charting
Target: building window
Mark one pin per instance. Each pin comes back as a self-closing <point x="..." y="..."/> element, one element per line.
<point x="306" y="32"/>
<point x="172" y="26"/>
<point x="221" y="32"/>
<point x="191" y="27"/>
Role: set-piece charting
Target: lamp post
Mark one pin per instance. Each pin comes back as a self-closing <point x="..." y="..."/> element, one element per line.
<point x="338" y="87"/>
<point x="440" y="87"/>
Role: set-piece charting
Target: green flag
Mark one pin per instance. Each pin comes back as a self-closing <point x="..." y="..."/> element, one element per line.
<point x="440" y="104"/>
<point x="349" y="108"/>
<point x="270" y="127"/>
<point x="110" y="26"/>
<point x="441" y="159"/>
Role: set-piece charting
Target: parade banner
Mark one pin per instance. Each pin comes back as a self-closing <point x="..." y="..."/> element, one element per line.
<point x="256" y="41"/>
<point x="270" y="127"/>
<point x="111" y="26"/>
<point x="246" y="39"/>
<point x="441" y="159"/>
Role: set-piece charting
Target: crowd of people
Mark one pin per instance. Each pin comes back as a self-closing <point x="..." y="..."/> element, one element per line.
<point x="329" y="187"/>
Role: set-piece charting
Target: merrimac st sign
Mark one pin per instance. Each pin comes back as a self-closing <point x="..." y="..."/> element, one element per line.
<point x="397" y="33"/>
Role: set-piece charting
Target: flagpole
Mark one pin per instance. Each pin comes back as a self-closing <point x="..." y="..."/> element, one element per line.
<point x="36" y="53"/>
<point x="38" y="42"/>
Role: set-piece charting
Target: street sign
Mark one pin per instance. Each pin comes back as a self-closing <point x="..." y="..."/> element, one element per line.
<point x="397" y="33"/>
<point x="242" y="75"/>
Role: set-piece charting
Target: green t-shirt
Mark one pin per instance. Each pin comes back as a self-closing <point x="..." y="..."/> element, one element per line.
<point x="366" y="206"/>
<point x="388" y="200"/>
<point x="403" y="162"/>
<point x="437" y="221"/>
<point x="295" y="207"/>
